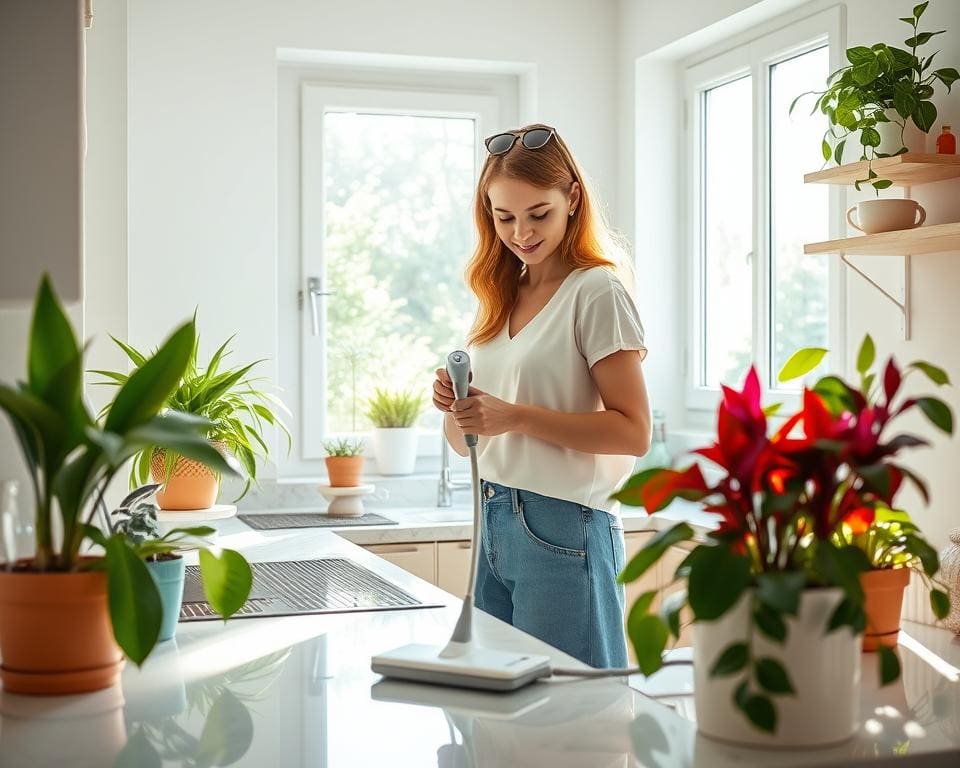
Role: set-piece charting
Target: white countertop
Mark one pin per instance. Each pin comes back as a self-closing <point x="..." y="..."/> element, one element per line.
<point x="415" y="524"/>
<point x="299" y="691"/>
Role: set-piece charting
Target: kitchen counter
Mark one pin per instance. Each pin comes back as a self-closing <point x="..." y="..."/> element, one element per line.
<point x="456" y="523"/>
<point x="299" y="691"/>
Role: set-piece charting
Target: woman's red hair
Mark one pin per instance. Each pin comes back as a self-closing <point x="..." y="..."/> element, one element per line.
<point x="493" y="273"/>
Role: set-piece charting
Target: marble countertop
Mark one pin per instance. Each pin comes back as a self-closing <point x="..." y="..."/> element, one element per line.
<point x="298" y="691"/>
<point x="416" y="524"/>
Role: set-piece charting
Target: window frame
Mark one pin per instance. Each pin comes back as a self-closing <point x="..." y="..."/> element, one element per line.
<point x="316" y="100"/>
<point x="754" y="58"/>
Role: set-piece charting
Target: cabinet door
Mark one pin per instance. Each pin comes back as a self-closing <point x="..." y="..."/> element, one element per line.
<point x="634" y="542"/>
<point x="668" y="564"/>
<point x="453" y="566"/>
<point x="416" y="558"/>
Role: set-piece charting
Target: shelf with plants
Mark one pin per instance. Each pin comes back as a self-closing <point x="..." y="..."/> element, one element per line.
<point x="907" y="170"/>
<point x="881" y="103"/>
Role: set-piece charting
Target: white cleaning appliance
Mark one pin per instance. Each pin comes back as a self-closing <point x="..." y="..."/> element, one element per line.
<point x="462" y="662"/>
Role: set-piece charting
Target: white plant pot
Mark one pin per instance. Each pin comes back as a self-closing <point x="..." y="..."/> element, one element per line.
<point x="913" y="139"/>
<point x="395" y="449"/>
<point x="823" y="668"/>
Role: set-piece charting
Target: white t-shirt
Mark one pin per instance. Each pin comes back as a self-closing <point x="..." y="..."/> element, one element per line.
<point x="547" y="364"/>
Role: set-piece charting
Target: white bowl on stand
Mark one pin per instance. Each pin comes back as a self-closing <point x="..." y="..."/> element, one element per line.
<point x="345" y="501"/>
<point x="185" y="518"/>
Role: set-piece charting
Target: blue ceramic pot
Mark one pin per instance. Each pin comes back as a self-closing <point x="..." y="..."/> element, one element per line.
<point x="168" y="576"/>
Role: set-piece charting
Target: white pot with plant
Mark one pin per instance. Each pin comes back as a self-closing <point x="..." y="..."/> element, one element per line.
<point x="776" y="590"/>
<point x="238" y="411"/>
<point x="393" y="415"/>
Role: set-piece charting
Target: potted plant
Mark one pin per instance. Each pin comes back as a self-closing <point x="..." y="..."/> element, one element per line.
<point x="344" y="461"/>
<point x="237" y="411"/>
<point x="63" y="614"/>
<point x="892" y="542"/>
<point x="393" y="415"/>
<point x="136" y="520"/>
<point x="777" y="601"/>
<point x="880" y="95"/>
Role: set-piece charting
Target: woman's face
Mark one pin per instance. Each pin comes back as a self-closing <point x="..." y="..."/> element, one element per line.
<point x="529" y="220"/>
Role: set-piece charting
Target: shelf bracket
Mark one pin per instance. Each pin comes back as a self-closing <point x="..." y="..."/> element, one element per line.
<point x="902" y="304"/>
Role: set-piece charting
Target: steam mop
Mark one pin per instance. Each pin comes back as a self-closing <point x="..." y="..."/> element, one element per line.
<point x="462" y="662"/>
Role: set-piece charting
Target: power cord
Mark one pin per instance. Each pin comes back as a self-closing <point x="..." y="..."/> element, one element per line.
<point x="612" y="672"/>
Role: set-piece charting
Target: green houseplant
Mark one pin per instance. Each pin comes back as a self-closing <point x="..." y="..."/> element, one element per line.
<point x="98" y="601"/>
<point x="344" y="461"/>
<point x="136" y="520"/>
<point x="883" y="87"/>
<point x="237" y="411"/>
<point x="393" y="415"/>
<point x="776" y="597"/>
<point x="892" y="542"/>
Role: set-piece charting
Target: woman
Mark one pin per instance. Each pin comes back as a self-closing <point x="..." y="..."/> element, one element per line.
<point x="558" y="399"/>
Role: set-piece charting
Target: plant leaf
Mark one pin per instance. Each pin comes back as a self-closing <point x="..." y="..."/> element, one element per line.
<point x="649" y="636"/>
<point x="772" y="676"/>
<point x="135" y="608"/>
<point x="148" y="387"/>
<point x="717" y="579"/>
<point x="937" y="375"/>
<point x="937" y="412"/>
<point x="770" y="623"/>
<point x="866" y="355"/>
<point x="653" y="551"/>
<point x="732" y="660"/>
<point x="227" y="580"/>
<point x="889" y="665"/>
<point x="781" y="590"/>
<point x="801" y="363"/>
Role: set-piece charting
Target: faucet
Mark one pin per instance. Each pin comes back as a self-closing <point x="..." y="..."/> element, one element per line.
<point x="446" y="486"/>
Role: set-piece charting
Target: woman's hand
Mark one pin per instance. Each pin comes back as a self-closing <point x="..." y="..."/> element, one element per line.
<point x="483" y="414"/>
<point x="442" y="391"/>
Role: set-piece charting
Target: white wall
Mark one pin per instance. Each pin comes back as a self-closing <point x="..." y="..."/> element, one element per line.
<point x="653" y="37"/>
<point x="202" y="131"/>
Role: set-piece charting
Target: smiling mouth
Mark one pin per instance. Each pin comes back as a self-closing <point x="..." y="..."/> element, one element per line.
<point x="530" y="248"/>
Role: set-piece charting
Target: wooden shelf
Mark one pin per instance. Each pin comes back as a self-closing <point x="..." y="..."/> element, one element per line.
<point x="906" y="170"/>
<point x="906" y="242"/>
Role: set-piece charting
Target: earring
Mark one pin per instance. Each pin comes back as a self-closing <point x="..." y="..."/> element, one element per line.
<point x="571" y="213"/>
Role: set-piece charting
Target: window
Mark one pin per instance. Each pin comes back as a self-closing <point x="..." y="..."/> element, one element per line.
<point x="754" y="296"/>
<point x="386" y="215"/>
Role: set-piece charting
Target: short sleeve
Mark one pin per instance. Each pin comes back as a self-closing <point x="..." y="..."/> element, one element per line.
<point x="609" y="322"/>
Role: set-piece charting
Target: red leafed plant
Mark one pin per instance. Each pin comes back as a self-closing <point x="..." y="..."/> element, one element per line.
<point x="790" y="503"/>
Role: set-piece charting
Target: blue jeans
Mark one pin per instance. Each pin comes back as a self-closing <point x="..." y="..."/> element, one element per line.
<point x="549" y="567"/>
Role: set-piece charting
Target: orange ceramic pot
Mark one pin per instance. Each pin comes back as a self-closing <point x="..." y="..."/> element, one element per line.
<point x="190" y="485"/>
<point x="883" y="592"/>
<point x="55" y="633"/>
<point x="344" y="471"/>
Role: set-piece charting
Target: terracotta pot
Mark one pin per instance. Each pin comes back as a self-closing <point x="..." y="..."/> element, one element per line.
<point x="55" y="633"/>
<point x="883" y="592"/>
<point x="190" y="485"/>
<point x="344" y="471"/>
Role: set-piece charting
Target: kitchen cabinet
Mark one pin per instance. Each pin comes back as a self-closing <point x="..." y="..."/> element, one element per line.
<point x="453" y="566"/>
<point x="418" y="558"/>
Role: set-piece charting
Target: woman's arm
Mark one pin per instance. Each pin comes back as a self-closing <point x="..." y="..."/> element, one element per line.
<point x="623" y="428"/>
<point x="454" y="434"/>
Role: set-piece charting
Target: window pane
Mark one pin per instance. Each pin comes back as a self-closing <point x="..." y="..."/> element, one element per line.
<point x="727" y="231"/>
<point x="399" y="230"/>
<point x="798" y="211"/>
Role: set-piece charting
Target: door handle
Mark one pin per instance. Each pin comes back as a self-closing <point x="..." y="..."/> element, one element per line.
<point x="314" y="289"/>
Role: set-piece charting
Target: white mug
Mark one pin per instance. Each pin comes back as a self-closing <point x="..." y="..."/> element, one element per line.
<point x="873" y="216"/>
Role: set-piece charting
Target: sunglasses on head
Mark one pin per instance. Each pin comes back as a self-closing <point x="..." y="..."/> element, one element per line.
<point x="534" y="138"/>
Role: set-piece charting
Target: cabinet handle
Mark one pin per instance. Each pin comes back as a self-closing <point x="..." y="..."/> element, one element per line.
<point x="463" y="545"/>
<point x="393" y="550"/>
